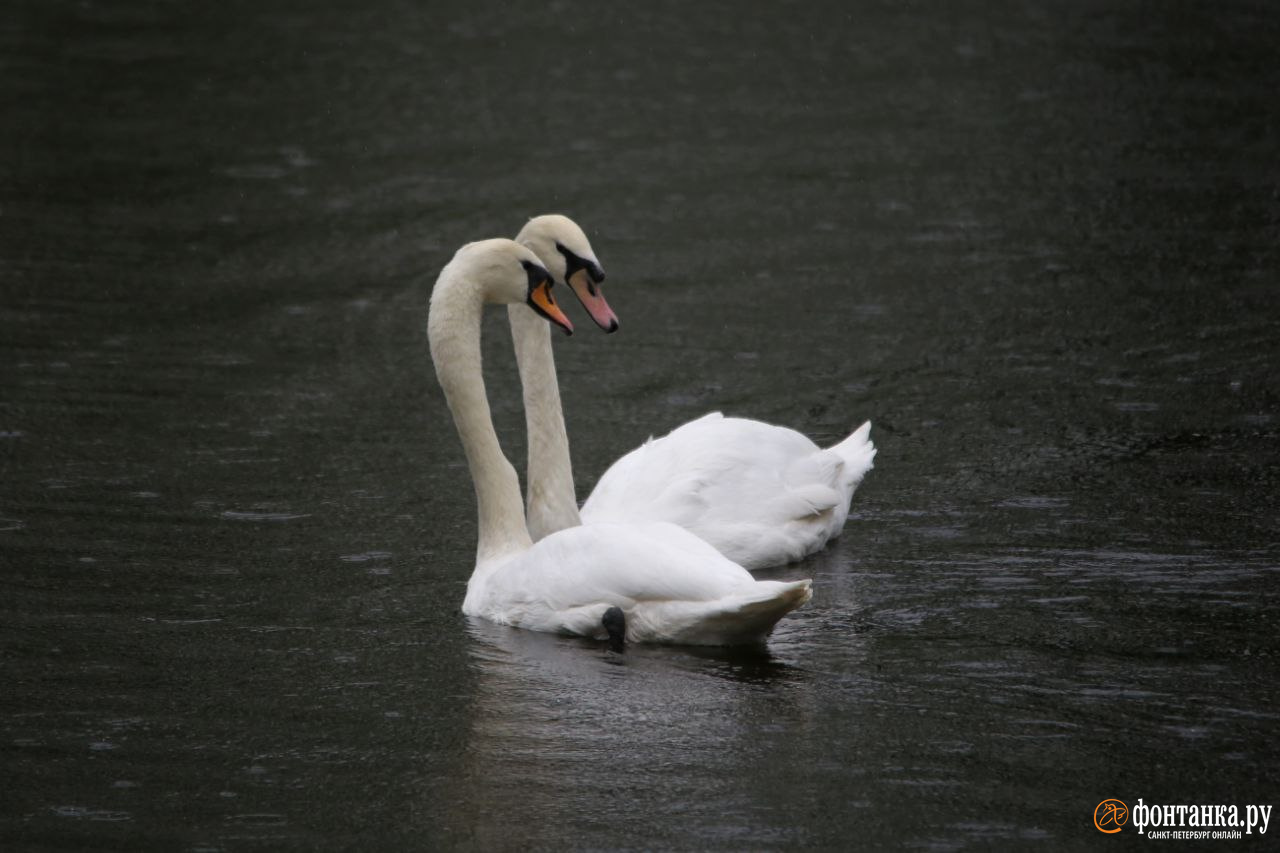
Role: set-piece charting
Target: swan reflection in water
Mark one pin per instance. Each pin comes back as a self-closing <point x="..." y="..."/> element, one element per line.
<point x="567" y="737"/>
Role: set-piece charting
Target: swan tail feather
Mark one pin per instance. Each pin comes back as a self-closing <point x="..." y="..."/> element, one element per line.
<point x="858" y="453"/>
<point x="755" y="618"/>
<point x="734" y="620"/>
<point x="808" y="502"/>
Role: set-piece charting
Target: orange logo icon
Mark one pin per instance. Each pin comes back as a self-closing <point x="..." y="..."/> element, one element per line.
<point x="1110" y="816"/>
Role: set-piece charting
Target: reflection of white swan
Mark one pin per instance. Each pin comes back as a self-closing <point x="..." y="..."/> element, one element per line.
<point x="762" y="495"/>
<point x="660" y="581"/>
<point x="568" y="748"/>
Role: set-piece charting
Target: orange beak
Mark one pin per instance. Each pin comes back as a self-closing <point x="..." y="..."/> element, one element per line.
<point x="588" y="293"/>
<point x="541" y="300"/>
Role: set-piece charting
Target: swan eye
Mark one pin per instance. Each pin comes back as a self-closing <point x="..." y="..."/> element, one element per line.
<point x="573" y="263"/>
<point x="537" y="275"/>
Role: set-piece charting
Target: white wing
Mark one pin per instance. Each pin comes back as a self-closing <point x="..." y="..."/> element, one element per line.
<point x="762" y="495"/>
<point x="672" y="586"/>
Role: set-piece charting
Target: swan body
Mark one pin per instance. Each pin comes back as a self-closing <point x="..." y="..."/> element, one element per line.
<point x="762" y="495"/>
<point x="671" y="586"/>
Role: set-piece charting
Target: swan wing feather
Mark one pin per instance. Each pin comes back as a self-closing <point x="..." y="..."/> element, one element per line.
<point x="761" y="494"/>
<point x="673" y="586"/>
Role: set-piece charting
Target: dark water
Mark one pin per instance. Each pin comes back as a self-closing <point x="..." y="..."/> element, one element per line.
<point x="1035" y="243"/>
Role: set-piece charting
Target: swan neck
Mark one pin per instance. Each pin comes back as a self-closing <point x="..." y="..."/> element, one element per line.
<point x="453" y="328"/>
<point x="552" y="503"/>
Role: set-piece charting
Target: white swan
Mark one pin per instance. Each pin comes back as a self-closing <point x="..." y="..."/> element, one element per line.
<point x="762" y="495"/>
<point x="647" y="582"/>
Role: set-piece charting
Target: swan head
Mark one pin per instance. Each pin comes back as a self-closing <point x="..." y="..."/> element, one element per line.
<point x="506" y="272"/>
<point x="566" y="253"/>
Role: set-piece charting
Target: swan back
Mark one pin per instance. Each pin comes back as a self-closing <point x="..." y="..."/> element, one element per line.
<point x="761" y="494"/>
<point x="674" y="587"/>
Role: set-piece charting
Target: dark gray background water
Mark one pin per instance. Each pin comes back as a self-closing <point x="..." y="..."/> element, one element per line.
<point x="1035" y="243"/>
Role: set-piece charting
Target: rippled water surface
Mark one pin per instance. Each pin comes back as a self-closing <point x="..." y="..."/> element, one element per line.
<point x="1035" y="243"/>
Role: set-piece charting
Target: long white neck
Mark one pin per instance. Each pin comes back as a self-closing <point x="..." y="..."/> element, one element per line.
<point x="454" y="331"/>
<point x="552" y="503"/>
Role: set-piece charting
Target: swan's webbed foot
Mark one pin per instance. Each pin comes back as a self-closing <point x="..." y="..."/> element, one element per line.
<point x="615" y="622"/>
